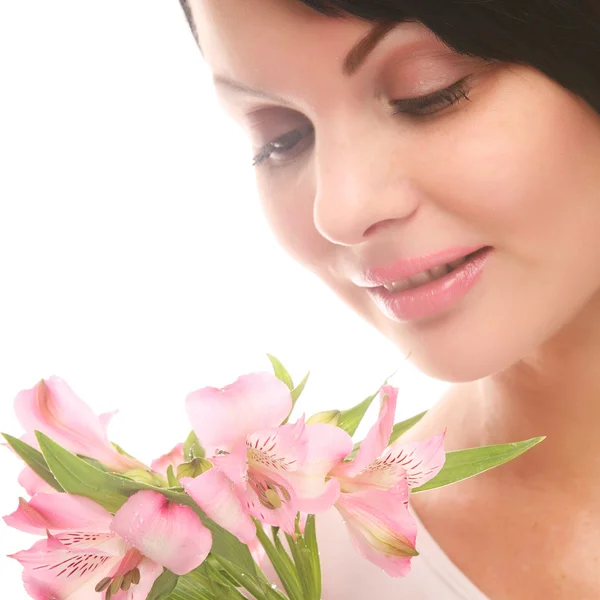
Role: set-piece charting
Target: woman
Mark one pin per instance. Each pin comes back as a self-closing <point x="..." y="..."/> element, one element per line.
<point x="437" y="164"/>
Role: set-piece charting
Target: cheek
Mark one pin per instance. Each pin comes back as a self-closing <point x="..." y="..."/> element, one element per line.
<point x="526" y="173"/>
<point x="287" y="199"/>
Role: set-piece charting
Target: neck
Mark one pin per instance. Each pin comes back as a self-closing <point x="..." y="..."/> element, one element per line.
<point x="553" y="393"/>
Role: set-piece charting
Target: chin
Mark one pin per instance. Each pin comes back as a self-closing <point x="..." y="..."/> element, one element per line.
<point x="456" y="356"/>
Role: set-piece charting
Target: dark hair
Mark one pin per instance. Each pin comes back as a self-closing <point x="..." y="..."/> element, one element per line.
<point x="560" y="38"/>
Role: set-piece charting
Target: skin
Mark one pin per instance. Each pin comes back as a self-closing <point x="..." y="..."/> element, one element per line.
<point x="517" y="168"/>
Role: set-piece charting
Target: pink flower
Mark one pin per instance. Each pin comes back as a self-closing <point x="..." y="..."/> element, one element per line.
<point x="53" y="408"/>
<point x="33" y="483"/>
<point x="172" y="459"/>
<point x="380" y="526"/>
<point x="275" y="469"/>
<point x="375" y="487"/>
<point x="88" y="550"/>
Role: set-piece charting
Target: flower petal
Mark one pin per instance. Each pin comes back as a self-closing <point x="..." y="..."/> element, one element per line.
<point x="421" y="461"/>
<point x="378" y="437"/>
<point x="106" y="418"/>
<point x="59" y="512"/>
<point x="53" y="408"/>
<point x="217" y="496"/>
<point x="280" y="449"/>
<point x="172" y="459"/>
<point x="381" y="528"/>
<point x="271" y="499"/>
<point x="223" y="417"/>
<point x="149" y="573"/>
<point x="33" y="483"/>
<point x="234" y="465"/>
<point x="167" y="533"/>
<point x="60" y="574"/>
<point x="327" y="446"/>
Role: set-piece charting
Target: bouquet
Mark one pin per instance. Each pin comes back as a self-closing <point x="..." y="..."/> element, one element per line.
<point x="246" y="487"/>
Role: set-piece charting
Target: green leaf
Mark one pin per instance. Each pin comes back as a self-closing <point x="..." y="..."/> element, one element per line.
<point x="121" y="451"/>
<point x="76" y="476"/>
<point x="462" y="464"/>
<point x="299" y="389"/>
<point x="351" y="418"/>
<point x="192" y="448"/>
<point x="296" y="394"/>
<point x="281" y="372"/>
<point x="163" y="586"/>
<point x="171" y="479"/>
<point x="34" y="459"/>
<point x="403" y="426"/>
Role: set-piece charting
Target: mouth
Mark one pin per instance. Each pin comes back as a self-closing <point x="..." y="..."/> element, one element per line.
<point x="420" y="288"/>
<point x="429" y="275"/>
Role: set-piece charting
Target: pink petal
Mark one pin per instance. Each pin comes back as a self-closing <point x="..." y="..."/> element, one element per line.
<point x="173" y="458"/>
<point x="53" y="408"/>
<point x="80" y="542"/>
<point x="167" y="533"/>
<point x="59" y="512"/>
<point x="33" y="483"/>
<point x="378" y="437"/>
<point x="106" y="418"/>
<point x="280" y="449"/>
<point x="149" y="572"/>
<point x="263" y="490"/>
<point x="223" y="417"/>
<point x="421" y="461"/>
<point x="327" y="446"/>
<point x="217" y="496"/>
<point x="234" y="465"/>
<point x="63" y="575"/>
<point x="381" y="528"/>
<point x="326" y="499"/>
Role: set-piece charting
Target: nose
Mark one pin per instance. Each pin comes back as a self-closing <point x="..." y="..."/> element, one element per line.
<point x="362" y="183"/>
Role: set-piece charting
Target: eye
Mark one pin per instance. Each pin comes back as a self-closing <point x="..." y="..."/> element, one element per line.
<point x="432" y="103"/>
<point x="286" y="146"/>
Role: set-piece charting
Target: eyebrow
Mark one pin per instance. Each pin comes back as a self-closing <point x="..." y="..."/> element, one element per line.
<point x="357" y="55"/>
<point x="359" y="52"/>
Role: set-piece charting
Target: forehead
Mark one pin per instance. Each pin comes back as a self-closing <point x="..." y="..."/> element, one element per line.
<point x="242" y="37"/>
<point x="283" y="44"/>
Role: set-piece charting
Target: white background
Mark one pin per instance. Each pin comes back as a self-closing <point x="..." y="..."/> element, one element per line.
<point x="134" y="261"/>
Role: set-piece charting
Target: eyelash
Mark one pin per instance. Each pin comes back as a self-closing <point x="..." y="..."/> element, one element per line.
<point x="410" y="106"/>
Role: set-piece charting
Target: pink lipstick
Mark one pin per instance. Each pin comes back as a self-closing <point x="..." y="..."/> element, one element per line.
<point x="422" y="287"/>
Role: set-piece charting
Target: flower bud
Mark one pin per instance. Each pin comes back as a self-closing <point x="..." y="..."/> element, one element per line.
<point x="327" y="417"/>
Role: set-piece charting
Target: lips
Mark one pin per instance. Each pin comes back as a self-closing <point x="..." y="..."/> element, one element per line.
<point x="422" y="287"/>
<point x="424" y="277"/>
<point x="406" y="268"/>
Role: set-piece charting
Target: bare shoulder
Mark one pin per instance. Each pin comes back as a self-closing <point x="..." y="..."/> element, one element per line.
<point x="512" y="543"/>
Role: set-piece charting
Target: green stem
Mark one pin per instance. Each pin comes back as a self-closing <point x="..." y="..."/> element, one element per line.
<point x="283" y="566"/>
<point x="242" y="579"/>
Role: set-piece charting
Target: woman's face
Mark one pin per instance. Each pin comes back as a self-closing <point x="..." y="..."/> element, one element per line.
<point x="359" y="187"/>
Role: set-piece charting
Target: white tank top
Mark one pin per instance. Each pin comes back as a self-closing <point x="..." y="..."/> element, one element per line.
<point x="347" y="576"/>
